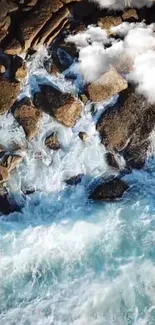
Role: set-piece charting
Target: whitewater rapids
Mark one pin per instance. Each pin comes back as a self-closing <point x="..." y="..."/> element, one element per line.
<point x="64" y="260"/>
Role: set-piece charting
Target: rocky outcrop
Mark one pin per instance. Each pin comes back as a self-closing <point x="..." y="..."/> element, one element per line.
<point x="130" y="15"/>
<point x="109" y="84"/>
<point x="8" y="162"/>
<point x="28" y="117"/>
<point x="7" y="203"/>
<point x="109" y="21"/>
<point x="39" y="22"/>
<point x="110" y="190"/>
<point x="74" y="180"/>
<point x="8" y="94"/>
<point x="52" y="142"/>
<point x="126" y="127"/>
<point x="62" y="106"/>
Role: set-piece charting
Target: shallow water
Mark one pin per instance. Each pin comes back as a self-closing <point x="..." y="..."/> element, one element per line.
<point x="65" y="260"/>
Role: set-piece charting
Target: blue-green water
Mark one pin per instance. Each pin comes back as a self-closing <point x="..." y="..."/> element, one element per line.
<point x="69" y="261"/>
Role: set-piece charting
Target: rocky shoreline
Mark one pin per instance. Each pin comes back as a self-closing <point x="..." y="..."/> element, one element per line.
<point x="124" y="128"/>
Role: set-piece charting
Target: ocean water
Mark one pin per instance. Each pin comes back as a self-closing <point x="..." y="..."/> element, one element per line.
<point x="66" y="260"/>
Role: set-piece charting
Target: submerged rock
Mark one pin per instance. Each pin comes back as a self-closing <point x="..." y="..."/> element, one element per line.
<point x="28" y="117"/>
<point x="8" y="94"/>
<point x="52" y="141"/>
<point x="109" y="84"/>
<point x="110" y="190"/>
<point x="8" y="204"/>
<point x="62" y="106"/>
<point x="74" y="180"/>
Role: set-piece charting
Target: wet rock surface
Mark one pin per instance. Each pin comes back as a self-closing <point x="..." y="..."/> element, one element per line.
<point x="8" y="94"/>
<point x="126" y="127"/>
<point x="62" y="106"/>
<point x="110" y="190"/>
<point x="28" y="117"/>
<point x="109" y="84"/>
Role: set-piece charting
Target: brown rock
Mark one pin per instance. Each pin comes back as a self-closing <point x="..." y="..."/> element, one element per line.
<point x="83" y="136"/>
<point x="8" y="94"/>
<point x="4" y="10"/>
<point x="109" y="21"/>
<point x="28" y="117"/>
<point x="4" y="174"/>
<point x="84" y="99"/>
<point x="109" y="84"/>
<point x="33" y="23"/>
<point x="32" y="3"/>
<point x="52" y="25"/>
<point x="52" y="142"/>
<point x="2" y="69"/>
<point x="130" y="15"/>
<point x="127" y="126"/>
<point x="21" y="72"/>
<point x="62" y="106"/>
<point x="110" y="190"/>
<point x="9" y="161"/>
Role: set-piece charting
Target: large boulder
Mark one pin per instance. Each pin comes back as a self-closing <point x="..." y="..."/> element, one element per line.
<point x="8" y="94"/>
<point x="127" y="126"/>
<point x="32" y="24"/>
<point x="62" y="106"/>
<point x="110" y="190"/>
<point x="28" y="117"/>
<point x="109" y="84"/>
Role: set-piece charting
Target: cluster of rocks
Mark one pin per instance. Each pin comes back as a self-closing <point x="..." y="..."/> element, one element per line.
<point x="124" y="129"/>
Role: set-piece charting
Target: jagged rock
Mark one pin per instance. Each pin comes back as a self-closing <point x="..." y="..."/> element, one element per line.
<point x="110" y="190"/>
<point x="8" y="94"/>
<point x="32" y="25"/>
<point x="74" y="180"/>
<point x="83" y="136"/>
<point x="130" y="15"/>
<point x="111" y="160"/>
<point x="8" y="204"/>
<point x="109" y="21"/>
<point x="53" y="25"/>
<point x="21" y="72"/>
<point x="52" y="142"/>
<point x="4" y="174"/>
<point x="109" y="84"/>
<point x="9" y="161"/>
<point x="84" y="99"/>
<point x="127" y="126"/>
<point x="62" y="106"/>
<point x="28" y="117"/>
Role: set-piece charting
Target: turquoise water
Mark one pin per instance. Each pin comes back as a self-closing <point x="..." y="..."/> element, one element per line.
<point x="70" y="261"/>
